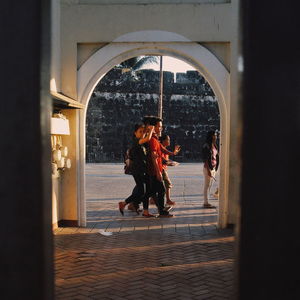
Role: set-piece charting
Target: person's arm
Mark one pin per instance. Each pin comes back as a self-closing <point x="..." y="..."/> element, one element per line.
<point x="166" y="151"/>
<point x="148" y="136"/>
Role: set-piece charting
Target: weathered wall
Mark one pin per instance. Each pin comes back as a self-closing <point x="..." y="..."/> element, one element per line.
<point x="119" y="101"/>
<point x="85" y="23"/>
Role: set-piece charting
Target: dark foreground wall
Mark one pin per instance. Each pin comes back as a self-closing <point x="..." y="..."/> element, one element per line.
<point x="26" y="245"/>
<point x="269" y="232"/>
<point x="190" y="109"/>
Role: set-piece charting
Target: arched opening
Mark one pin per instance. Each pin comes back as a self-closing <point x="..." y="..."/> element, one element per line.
<point x="121" y="99"/>
<point x="200" y="58"/>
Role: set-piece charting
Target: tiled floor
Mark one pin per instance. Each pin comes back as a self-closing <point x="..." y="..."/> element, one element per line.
<point x="131" y="257"/>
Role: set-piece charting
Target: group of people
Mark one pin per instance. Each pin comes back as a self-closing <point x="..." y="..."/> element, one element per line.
<point x="149" y="158"/>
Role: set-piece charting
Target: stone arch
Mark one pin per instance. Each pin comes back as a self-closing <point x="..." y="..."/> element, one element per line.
<point x="141" y="43"/>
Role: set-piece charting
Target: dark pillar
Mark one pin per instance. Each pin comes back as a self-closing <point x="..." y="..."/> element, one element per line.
<point x="269" y="229"/>
<point x="25" y="185"/>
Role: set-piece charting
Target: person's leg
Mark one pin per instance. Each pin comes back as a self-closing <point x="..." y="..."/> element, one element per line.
<point x="139" y="192"/>
<point x="134" y="198"/>
<point x="146" y="196"/>
<point x="128" y="200"/>
<point x="168" y="186"/>
<point x="168" y="200"/>
<point x="207" y="183"/>
<point x="158" y="192"/>
<point x="133" y="206"/>
<point x="160" y="189"/>
<point x="216" y="193"/>
<point x="160" y="196"/>
<point x="213" y="173"/>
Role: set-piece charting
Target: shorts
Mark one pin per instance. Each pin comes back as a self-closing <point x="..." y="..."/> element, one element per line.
<point x="166" y="179"/>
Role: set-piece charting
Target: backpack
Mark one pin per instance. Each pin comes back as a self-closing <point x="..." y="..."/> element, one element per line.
<point x="127" y="163"/>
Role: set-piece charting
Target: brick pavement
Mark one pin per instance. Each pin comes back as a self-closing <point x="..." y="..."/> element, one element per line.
<point x="185" y="257"/>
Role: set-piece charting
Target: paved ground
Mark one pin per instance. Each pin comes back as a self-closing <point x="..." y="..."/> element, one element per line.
<point x="185" y="257"/>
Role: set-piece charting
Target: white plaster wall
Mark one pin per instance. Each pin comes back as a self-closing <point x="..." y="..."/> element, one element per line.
<point x="105" y="23"/>
<point x="85" y="50"/>
<point x="221" y="50"/>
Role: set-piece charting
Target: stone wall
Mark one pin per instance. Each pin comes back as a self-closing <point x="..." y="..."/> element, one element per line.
<point x="120" y="100"/>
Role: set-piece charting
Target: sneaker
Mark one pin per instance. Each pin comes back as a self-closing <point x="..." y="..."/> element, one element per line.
<point x="165" y="214"/>
<point x="168" y="208"/>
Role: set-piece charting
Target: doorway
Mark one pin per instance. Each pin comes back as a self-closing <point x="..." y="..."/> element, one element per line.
<point x="95" y="68"/>
<point x="120" y="100"/>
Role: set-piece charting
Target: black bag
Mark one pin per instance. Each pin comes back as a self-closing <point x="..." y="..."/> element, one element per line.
<point x="127" y="163"/>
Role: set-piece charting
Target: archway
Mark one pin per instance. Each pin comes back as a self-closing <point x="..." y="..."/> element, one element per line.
<point x="169" y="44"/>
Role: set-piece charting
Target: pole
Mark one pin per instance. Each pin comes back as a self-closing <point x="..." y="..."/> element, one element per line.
<point x="161" y="79"/>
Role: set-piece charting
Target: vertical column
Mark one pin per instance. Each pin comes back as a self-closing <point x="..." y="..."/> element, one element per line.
<point x="161" y="90"/>
<point x="269" y="228"/>
<point x="25" y="184"/>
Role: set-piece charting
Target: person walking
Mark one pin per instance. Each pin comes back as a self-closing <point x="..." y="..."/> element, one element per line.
<point x="165" y="141"/>
<point x="138" y="156"/>
<point x="155" y="168"/>
<point x="210" y="154"/>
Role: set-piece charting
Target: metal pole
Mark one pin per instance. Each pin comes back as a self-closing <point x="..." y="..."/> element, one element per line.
<point x="161" y="79"/>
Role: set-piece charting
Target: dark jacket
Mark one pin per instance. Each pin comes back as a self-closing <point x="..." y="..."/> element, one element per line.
<point x="207" y="155"/>
<point x="138" y="156"/>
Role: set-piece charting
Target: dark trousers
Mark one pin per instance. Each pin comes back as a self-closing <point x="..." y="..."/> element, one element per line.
<point x="139" y="193"/>
<point x="157" y="191"/>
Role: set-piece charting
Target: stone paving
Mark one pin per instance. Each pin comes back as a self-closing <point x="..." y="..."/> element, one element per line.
<point x="131" y="257"/>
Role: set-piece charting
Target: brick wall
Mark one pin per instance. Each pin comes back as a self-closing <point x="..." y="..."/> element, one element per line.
<point x="190" y="109"/>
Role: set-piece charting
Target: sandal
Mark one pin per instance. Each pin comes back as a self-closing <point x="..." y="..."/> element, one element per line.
<point x="148" y="215"/>
<point x="121" y="208"/>
<point x="171" y="203"/>
<point x="208" y="205"/>
<point x="168" y="208"/>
